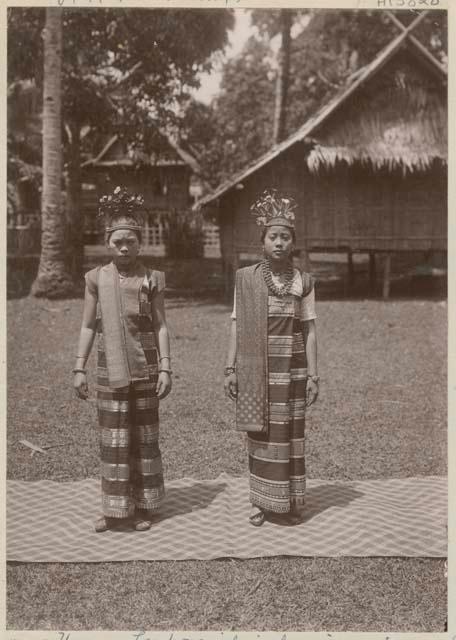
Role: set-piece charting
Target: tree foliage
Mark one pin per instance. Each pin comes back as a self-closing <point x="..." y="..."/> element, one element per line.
<point x="124" y="71"/>
<point x="184" y="234"/>
<point x="334" y="45"/>
<point x="24" y="133"/>
<point x="238" y="124"/>
<point x="153" y="54"/>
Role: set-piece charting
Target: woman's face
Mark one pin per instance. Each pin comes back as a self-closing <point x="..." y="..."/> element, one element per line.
<point x="278" y="243"/>
<point x="124" y="245"/>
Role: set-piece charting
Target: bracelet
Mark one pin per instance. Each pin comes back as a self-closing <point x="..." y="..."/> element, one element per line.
<point x="315" y="379"/>
<point x="164" y="358"/>
<point x="76" y="370"/>
<point x="168" y="371"/>
<point x="80" y="357"/>
<point x="229" y="370"/>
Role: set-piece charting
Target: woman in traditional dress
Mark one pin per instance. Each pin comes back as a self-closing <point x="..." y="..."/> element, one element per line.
<point x="124" y="306"/>
<point x="271" y="369"/>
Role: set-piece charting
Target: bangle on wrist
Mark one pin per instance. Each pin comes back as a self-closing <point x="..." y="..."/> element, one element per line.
<point x="79" y="370"/>
<point x="168" y="371"/>
<point x="229" y="370"/>
<point x="315" y="379"/>
<point x="164" y="358"/>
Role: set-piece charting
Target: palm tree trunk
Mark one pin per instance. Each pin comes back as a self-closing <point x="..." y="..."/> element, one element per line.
<point x="283" y="77"/>
<point x="74" y="206"/>
<point x="53" y="279"/>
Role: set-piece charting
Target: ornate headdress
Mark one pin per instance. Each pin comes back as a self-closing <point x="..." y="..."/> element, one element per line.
<point x="122" y="204"/>
<point x="272" y="209"/>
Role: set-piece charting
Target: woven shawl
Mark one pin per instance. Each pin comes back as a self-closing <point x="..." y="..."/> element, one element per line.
<point x="251" y="349"/>
<point x="252" y="409"/>
<point x="125" y="359"/>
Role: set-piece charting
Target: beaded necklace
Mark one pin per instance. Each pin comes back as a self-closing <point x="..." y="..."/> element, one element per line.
<point x="279" y="290"/>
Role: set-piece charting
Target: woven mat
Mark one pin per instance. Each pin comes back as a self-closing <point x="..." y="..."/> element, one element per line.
<point x="53" y="522"/>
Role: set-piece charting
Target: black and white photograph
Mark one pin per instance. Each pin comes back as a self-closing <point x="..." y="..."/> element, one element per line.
<point x="227" y="315"/>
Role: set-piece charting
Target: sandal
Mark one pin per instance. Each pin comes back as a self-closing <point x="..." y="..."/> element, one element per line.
<point x="296" y="517"/>
<point x="140" y="524"/>
<point x="257" y="517"/>
<point x="143" y="519"/>
<point x="102" y="524"/>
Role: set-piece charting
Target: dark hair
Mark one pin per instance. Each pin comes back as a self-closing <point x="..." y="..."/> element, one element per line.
<point x="290" y="229"/>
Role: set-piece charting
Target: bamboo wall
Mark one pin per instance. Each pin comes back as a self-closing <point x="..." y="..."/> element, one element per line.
<point x="345" y="208"/>
<point x="399" y="115"/>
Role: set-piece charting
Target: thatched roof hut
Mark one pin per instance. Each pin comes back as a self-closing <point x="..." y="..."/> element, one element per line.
<point x="369" y="169"/>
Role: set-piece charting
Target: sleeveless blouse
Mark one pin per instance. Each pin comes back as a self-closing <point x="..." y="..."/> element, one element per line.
<point x="136" y="296"/>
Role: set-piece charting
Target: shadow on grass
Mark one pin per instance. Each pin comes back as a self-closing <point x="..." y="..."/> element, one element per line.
<point x="19" y="285"/>
<point x="201" y="282"/>
<point x="419" y="288"/>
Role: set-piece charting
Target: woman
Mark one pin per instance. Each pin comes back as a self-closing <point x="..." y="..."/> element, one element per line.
<point x="124" y="305"/>
<point x="271" y="367"/>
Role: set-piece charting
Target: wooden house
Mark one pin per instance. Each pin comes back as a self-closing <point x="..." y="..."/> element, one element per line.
<point x="163" y="177"/>
<point x="368" y="170"/>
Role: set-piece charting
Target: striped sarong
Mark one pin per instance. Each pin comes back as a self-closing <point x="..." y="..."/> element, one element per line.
<point x="131" y="465"/>
<point x="276" y="456"/>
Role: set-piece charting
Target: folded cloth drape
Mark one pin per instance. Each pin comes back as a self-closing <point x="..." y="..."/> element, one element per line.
<point x="251" y="349"/>
<point x="113" y="332"/>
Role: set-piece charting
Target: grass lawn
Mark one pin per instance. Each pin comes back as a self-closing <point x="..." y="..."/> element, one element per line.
<point x="382" y="413"/>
